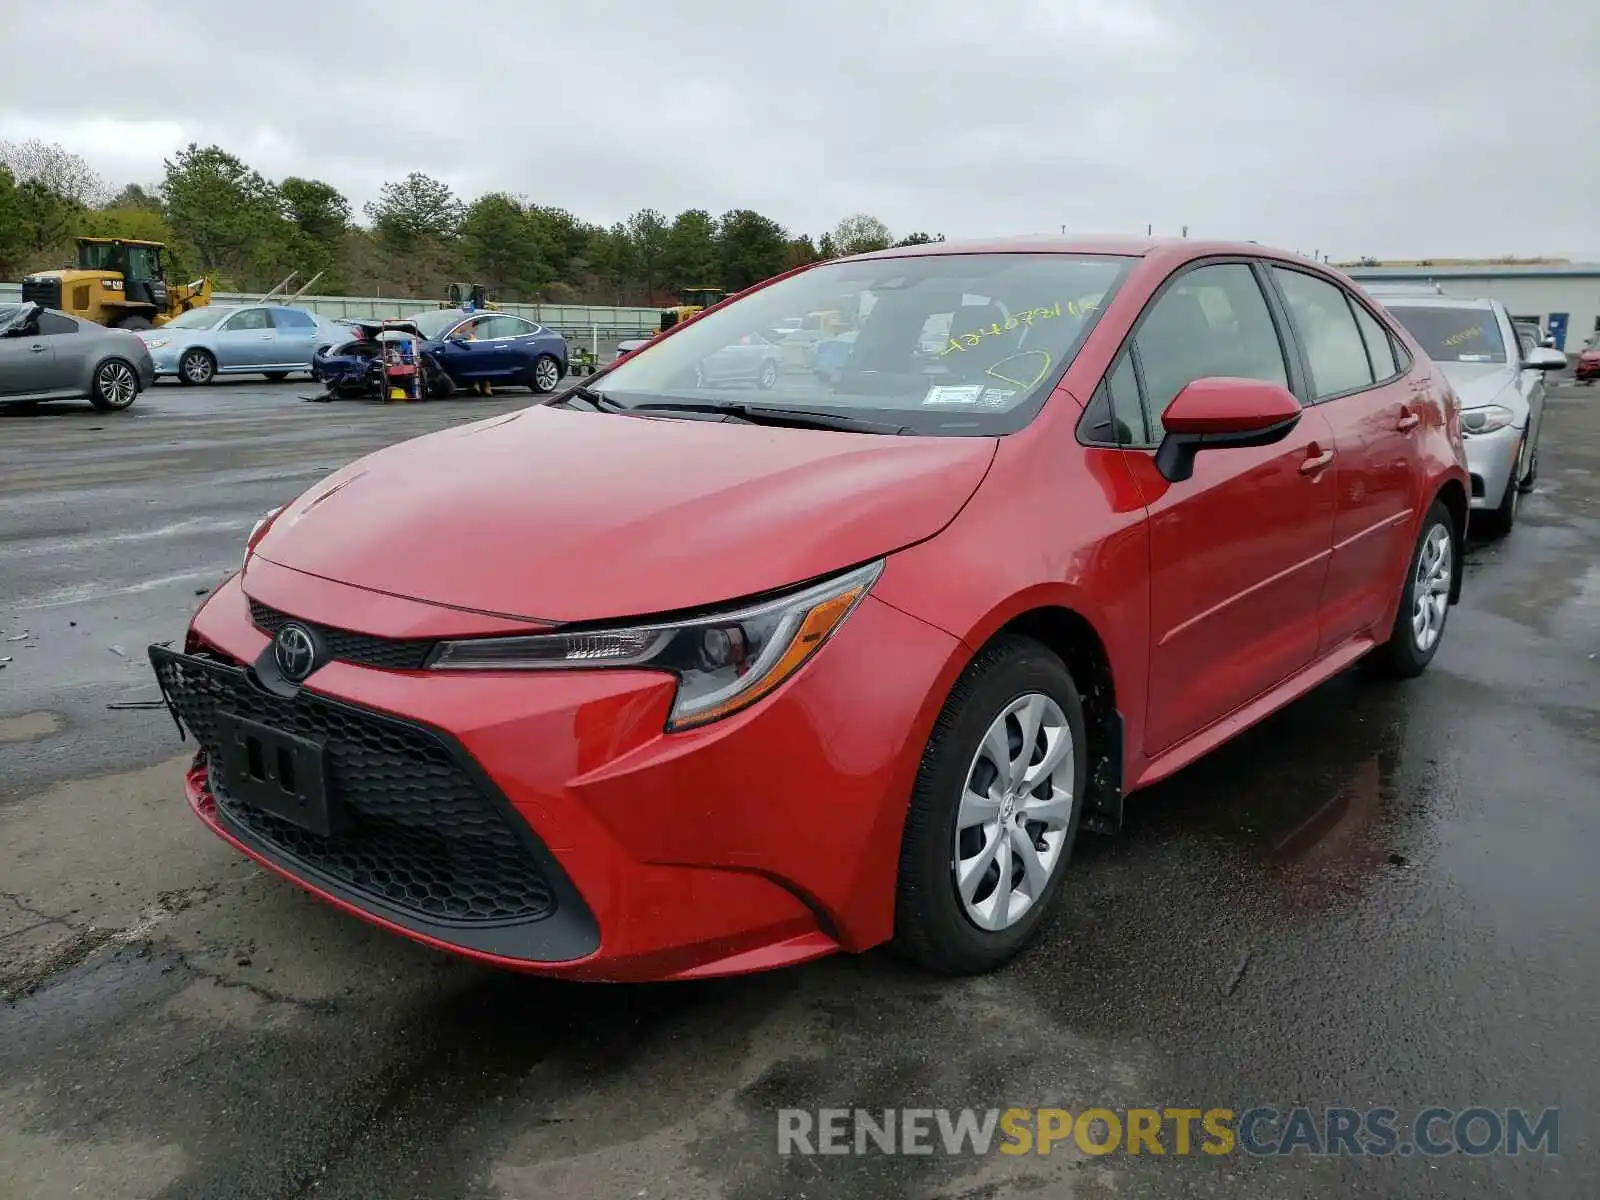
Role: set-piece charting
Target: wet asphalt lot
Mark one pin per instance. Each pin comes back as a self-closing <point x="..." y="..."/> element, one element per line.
<point x="1383" y="896"/>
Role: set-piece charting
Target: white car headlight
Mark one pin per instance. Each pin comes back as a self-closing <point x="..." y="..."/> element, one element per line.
<point x="1486" y="419"/>
<point x="157" y="343"/>
<point x="724" y="662"/>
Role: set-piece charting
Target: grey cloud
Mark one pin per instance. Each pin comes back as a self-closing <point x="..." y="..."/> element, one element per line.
<point x="1399" y="127"/>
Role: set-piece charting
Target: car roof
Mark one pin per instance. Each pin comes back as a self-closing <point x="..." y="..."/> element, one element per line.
<point x="1477" y="302"/>
<point x="1126" y="246"/>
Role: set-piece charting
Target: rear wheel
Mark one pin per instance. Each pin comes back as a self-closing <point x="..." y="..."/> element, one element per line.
<point x="545" y="375"/>
<point x="134" y="321"/>
<point x="197" y="367"/>
<point x="994" y="811"/>
<point x="115" y="386"/>
<point x="276" y="376"/>
<point x="1424" y="601"/>
<point x="769" y="375"/>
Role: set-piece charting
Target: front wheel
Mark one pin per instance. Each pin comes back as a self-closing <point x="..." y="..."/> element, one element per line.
<point x="115" y="386"/>
<point x="994" y="811"/>
<point x="197" y="367"/>
<point x="134" y="322"/>
<point x="1424" y="601"/>
<point x="769" y="376"/>
<point x="545" y="375"/>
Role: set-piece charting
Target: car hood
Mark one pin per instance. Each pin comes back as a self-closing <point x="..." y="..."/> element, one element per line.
<point x="1483" y="383"/>
<point x="555" y="515"/>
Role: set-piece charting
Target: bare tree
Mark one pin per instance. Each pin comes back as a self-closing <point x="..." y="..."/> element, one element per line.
<point x="57" y="168"/>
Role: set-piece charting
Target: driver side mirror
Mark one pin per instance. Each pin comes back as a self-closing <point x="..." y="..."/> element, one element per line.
<point x="1220" y="413"/>
<point x="1545" y="359"/>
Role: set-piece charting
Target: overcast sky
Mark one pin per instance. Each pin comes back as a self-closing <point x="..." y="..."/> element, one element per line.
<point x="1398" y="128"/>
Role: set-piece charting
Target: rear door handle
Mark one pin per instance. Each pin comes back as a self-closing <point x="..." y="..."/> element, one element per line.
<point x="36" y="349"/>
<point x="1316" y="463"/>
<point x="1408" y="422"/>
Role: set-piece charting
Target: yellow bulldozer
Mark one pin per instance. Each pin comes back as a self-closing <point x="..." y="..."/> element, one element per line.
<point x="694" y="299"/>
<point x="117" y="281"/>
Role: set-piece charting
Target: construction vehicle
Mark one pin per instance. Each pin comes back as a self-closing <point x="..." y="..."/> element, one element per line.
<point x="467" y="295"/>
<point x="118" y="282"/>
<point x="694" y="299"/>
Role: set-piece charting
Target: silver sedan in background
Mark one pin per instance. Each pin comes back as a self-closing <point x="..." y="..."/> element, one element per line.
<point x="1500" y="379"/>
<point x="252" y="339"/>
<point x="47" y="355"/>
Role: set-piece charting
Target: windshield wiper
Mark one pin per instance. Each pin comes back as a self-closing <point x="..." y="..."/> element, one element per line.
<point x="597" y="401"/>
<point x="764" y="414"/>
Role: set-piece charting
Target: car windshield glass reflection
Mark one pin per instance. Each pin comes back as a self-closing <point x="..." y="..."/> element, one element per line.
<point x="937" y="337"/>
<point x="1449" y="334"/>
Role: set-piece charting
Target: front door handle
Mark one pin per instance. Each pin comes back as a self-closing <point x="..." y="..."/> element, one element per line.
<point x="1408" y="422"/>
<point x="1316" y="462"/>
<point x="36" y="349"/>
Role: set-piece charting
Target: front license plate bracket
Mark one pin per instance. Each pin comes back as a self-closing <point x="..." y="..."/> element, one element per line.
<point x="277" y="772"/>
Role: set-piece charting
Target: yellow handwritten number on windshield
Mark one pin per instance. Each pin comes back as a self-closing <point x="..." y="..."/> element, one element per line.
<point x="965" y="341"/>
<point x="1455" y="339"/>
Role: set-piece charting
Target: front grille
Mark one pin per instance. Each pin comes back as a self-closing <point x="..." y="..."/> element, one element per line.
<point x="419" y="832"/>
<point x="342" y="645"/>
<point x="45" y="292"/>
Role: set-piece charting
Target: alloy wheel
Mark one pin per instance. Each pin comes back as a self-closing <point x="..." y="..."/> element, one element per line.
<point x="118" y="386"/>
<point x="546" y="375"/>
<point x="1015" y="810"/>
<point x="1430" y="593"/>
<point x="197" y="368"/>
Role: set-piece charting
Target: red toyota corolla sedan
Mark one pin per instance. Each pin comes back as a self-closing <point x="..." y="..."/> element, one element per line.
<point x="664" y="680"/>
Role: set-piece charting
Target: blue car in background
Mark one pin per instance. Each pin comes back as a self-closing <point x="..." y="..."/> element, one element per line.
<point x="470" y="346"/>
<point x="249" y="339"/>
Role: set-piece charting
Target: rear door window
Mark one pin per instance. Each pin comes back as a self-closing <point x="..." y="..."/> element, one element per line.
<point x="293" y="320"/>
<point x="50" y="323"/>
<point x="1380" y="346"/>
<point x="1335" y="349"/>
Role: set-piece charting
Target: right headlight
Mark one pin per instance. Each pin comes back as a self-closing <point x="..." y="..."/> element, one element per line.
<point x="1486" y="419"/>
<point x="724" y="662"/>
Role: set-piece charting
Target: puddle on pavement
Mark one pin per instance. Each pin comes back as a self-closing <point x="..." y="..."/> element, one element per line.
<point x="30" y="727"/>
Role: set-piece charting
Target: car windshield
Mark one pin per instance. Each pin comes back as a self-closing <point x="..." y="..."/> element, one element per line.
<point x="199" y="318"/>
<point x="1453" y="334"/>
<point x="937" y="344"/>
<point x="435" y="322"/>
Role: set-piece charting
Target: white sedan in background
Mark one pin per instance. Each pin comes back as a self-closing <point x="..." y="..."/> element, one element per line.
<point x="274" y="340"/>
<point x="1500" y="379"/>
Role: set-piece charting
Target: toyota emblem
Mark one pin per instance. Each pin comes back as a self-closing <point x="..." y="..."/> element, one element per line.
<point x="295" y="652"/>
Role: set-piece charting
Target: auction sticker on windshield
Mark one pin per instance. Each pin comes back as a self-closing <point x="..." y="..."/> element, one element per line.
<point x="946" y="394"/>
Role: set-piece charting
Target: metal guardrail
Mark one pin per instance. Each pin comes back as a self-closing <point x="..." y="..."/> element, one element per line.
<point x="574" y="321"/>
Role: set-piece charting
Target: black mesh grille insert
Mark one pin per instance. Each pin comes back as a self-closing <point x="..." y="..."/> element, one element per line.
<point x="362" y="649"/>
<point x="420" y="832"/>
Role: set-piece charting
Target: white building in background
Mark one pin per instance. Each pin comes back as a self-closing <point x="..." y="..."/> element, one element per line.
<point x="1565" y="297"/>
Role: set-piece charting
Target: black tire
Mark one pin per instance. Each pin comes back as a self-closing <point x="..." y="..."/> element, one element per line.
<point x="1532" y="477"/>
<point x="769" y="376"/>
<point x="276" y="376"/>
<point x="439" y="385"/>
<point x="115" y="387"/>
<point x="134" y="322"/>
<point x="1401" y="657"/>
<point x="932" y="927"/>
<point x="548" y="366"/>
<point x="197" y="367"/>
